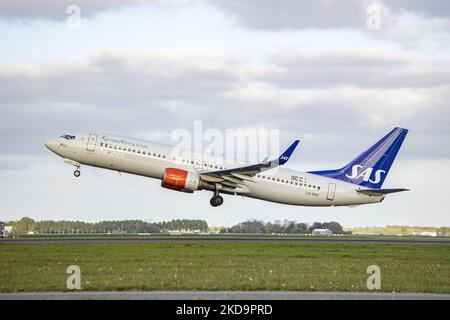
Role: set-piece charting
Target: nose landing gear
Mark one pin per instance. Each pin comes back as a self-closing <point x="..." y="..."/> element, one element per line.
<point x="76" y="164"/>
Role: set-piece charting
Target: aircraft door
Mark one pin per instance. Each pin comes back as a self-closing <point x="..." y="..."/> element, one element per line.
<point x="92" y="140"/>
<point x="331" y="191"/>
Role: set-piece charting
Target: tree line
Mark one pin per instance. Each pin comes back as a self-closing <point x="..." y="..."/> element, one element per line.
<point x="282" y="227"/>
<point x="27" y="225"/>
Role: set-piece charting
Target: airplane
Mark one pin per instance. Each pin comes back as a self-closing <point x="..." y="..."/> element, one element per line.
<point x="359" y="182"/>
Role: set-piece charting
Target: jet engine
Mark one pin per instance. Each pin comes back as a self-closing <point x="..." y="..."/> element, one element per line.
<point x="180" y="180"/>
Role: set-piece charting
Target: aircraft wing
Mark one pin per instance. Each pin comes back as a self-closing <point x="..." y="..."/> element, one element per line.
<point x="230" y="180"/>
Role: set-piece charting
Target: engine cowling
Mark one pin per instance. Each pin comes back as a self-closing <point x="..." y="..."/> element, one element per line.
<point x="180" y="180"/>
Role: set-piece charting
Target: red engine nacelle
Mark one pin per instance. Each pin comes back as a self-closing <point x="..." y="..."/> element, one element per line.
<point x="180" y="180"/>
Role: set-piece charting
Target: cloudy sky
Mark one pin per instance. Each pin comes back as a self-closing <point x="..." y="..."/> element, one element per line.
<point x="323" y="71"/>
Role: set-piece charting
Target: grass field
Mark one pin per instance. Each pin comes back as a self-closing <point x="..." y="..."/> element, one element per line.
<point x="225" y="266"/>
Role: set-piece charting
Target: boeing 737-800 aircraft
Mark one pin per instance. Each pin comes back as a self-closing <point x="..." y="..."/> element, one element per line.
<point x="357" y="183"/>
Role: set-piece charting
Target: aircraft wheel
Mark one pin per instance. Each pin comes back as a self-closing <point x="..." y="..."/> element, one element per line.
<point x="77" y="173"/>
<point x="216" y="201"/>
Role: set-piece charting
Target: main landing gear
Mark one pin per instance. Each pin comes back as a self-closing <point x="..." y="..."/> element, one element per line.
<point x="77" y="173"/>
<point x="216" y="200"/>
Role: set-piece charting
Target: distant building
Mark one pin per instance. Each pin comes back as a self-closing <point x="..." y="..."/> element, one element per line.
<point x="428" y="234"/>
<point x="2" y="229"/>
<point x="322" y="232"/>
<point x="181" y="231"/>
<point x="7" y="231"/>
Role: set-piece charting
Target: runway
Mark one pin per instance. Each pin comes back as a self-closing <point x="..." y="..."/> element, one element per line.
<point x="221" y="295"/>
<point x="220" y="239"/>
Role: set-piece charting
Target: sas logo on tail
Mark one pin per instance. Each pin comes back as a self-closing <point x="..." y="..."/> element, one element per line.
<point x="366" y="175"/>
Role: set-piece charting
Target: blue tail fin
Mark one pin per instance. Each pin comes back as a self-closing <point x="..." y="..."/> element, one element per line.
<point x="372" y="166"/>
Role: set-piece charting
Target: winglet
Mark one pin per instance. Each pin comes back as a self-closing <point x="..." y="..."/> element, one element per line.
<point x="287" y="154"/>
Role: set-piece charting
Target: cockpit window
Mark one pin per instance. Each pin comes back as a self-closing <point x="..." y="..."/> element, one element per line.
<point x="68" y="137"/>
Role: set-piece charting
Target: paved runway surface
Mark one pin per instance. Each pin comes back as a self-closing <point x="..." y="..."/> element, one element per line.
<point x="221" y="295"/>
<point x="222" y="239"/>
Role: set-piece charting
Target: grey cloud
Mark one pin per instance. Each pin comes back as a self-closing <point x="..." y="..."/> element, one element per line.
<point x="339" y="127"/>
<point x="288" y="14"/>
<point x="125" y="95"/>
<point x="435" y="8"/>
<point x="369" y="69"/>
<point x="258" y="14"/>
<point x="150" y="79"/>
<point x="109" y="94"/>
<point x="56" y="10"/>
<point x="48" y="9"/>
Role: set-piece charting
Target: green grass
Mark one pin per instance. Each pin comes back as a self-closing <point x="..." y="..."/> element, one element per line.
<point x="225" y="266"/>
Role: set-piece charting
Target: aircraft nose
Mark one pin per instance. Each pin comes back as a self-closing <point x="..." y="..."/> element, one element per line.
<point x="51" y="144"/>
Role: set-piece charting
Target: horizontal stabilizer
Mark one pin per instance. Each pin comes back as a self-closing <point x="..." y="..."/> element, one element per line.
<point x="379" y="192"/>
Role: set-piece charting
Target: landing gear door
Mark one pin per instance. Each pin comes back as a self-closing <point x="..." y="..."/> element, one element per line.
<point x="331" y="191"/>
<point x="92" y="140"/>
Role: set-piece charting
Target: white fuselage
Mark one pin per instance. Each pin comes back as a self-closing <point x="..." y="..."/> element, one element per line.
<point x="149" y="159"/>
